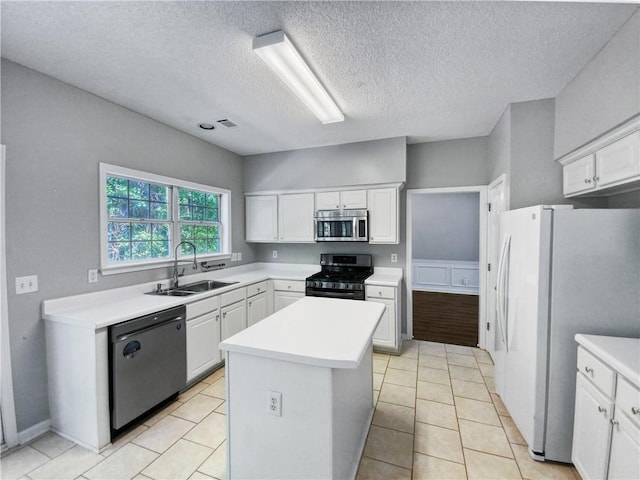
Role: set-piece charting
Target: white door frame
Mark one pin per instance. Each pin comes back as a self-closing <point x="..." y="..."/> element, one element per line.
<point x="482" y="254"/>
<point x="501" y="186"/>
<point x="7" y="403"/>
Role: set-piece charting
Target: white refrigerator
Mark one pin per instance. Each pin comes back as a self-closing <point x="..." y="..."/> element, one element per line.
<point x="562" y="271"/>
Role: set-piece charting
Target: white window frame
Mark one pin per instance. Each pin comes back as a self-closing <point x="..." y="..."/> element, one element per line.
<point x="108" y="268"/>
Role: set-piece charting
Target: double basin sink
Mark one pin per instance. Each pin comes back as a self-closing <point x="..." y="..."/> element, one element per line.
<point x="191" y="288"/>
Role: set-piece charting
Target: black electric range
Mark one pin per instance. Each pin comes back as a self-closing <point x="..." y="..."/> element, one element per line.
<point x="341" y="276"/>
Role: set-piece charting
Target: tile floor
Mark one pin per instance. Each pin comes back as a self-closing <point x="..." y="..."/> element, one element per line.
<point x="437" y="416"/>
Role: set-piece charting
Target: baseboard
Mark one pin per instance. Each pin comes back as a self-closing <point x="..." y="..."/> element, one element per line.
<point x="34" y="431"/>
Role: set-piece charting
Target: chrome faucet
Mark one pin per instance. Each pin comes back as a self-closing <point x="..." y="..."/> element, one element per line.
<point x="176" y="275"/>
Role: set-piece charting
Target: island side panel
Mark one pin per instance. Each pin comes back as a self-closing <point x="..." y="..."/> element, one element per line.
<point x="296" y="445"/>
<point x="78" y="383"/>
<point x="352" y="399"/>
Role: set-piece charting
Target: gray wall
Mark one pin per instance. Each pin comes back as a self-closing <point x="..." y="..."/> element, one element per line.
<point x="499" y="147"/>
<point x="535" y="176"/>
<point x="378" y="161"/>
<point x="604" y="94"/>
<point x="55" y="136"/>
<point x="460" y="163"/>
<point x="445" y="226"/>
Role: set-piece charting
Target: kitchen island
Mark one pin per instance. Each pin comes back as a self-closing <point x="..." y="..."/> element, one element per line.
<point x="299" y="391"/>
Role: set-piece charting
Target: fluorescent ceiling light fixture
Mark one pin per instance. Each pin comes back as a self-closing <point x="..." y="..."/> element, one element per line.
<point x="278" y="52"/>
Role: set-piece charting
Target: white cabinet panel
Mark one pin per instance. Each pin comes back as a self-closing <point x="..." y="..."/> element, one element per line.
<point x="295" y="217"/>
<point x="345" y="199"/>
<point x="383" y="215"/>
<point x="384" y="336"/>
<point x="256" y="308"/>
<point x="619" y="161"/>
<point x="284" y="299"/>
<point x="234" y="319"/>
<point x="578" y="176"/>
<point x="591" y="430"/>
<point x="203" y="337"/>
<point x="262" y="218"/>
<point x="624" y="463"/>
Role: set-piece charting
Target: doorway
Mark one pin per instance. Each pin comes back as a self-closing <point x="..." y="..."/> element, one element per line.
<point x="446" y="264"/>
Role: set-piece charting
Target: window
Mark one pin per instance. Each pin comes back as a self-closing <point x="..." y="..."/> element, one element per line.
<point x="145" y="216"/>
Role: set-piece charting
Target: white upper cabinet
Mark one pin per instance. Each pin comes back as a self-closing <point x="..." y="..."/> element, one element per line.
<point x="619" y="161"/>
<point x="295" y="217"/>
<point x="608" y="165"/>
<point x="262" y="218"/>
<point x="383" y="215"/>
<point x="346" y="199"/>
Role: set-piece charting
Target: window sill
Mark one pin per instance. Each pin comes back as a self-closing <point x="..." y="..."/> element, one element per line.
<point x="130" y="268"/>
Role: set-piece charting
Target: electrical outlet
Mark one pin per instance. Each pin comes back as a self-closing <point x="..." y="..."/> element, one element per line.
<point x="26" y="284"/>
<point x="239" y="256"/>
<point x="92" y="276"/>
<point x="234" y="257"/>
<point x="275" y="254"/>
<point x="394" y="258"/>
<point x="274" y="403"/>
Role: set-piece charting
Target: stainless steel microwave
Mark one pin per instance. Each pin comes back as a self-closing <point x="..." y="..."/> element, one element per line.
<point x="341" y="226"/>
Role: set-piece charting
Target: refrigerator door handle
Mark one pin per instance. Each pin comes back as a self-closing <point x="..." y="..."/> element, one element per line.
<point x="501" y="297"/>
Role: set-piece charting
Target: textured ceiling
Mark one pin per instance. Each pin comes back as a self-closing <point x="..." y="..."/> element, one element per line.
<point x="425" y="70"/>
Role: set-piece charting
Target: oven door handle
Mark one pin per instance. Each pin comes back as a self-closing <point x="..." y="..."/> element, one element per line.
<point x="333" y="294"/>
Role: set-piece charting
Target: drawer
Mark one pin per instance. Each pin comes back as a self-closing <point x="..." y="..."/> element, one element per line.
<point x="256" y="288"/>
<point x="375" y="291"/>
<point x="628" y="400"/>
<point x="207" y="305"/>
<point x="233" y="296"/>
<point x="289" y="285"/>
<point x="596" y="371"/>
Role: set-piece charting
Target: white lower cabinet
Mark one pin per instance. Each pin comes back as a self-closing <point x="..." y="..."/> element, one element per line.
<point x="591" y="430"/>
<point x="256" y="308"/>
<point x="606" y="430"/>
<point x="387" y="335"/>
<point x="234" y="319"/>
<point x="203" y="337"/>
<point x="286" y="292"/>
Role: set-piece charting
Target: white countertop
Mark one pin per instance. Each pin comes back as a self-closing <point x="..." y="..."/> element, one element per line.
<point x="622" y="354"/>
<point x="325" y="332"/>
<point x="107" y="307"/>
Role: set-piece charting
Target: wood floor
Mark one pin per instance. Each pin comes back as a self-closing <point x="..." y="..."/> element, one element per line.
<point x="445" y="318"/>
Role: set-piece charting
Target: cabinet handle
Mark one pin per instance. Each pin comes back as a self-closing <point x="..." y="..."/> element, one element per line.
<point x="601" y="409"/>
<point x="380" y="293"/>
<point x="217" y="317"/>
<point x="614" y="422"/>
<point x="635" y="410"/>
<point x="595" y="179"/>
<point x="258" y="288"/>
<point x="588" y="369"/>
<point x="587" y="180"/>
<point x="288" y="286"/>
<point x="224" y="314"/>
<point x="250" y="303"/>
<point x="337" y="206"/>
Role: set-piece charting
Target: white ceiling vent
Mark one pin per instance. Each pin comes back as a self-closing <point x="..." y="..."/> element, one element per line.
<point x="227" y="123"/>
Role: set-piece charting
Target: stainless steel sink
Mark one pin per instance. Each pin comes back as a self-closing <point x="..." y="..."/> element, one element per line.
<point x="204" y="286"/>
<point x="173" y="293"/>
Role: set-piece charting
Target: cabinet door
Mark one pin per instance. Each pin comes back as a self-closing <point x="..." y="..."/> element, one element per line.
<point x="618" y="161"/>
<point x="203" y="337"/>
<point x="577" y="177"/>
<point x="256" y="308"/>
<point x="284" y="299"/>
<point x="234" y="319"/>
<point x="353" y="199"/>
<point x="591" y="430"/>
<point x="383" y="215"/>
<point x="385" y="334"/>
<point x="262" y="218"/>
<point x="624" y="462"/>
<point x="327" y="200"/>
<point x="295" y="217"/>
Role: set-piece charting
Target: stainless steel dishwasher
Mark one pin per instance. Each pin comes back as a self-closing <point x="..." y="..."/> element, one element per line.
<point x="148" y="363"/>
